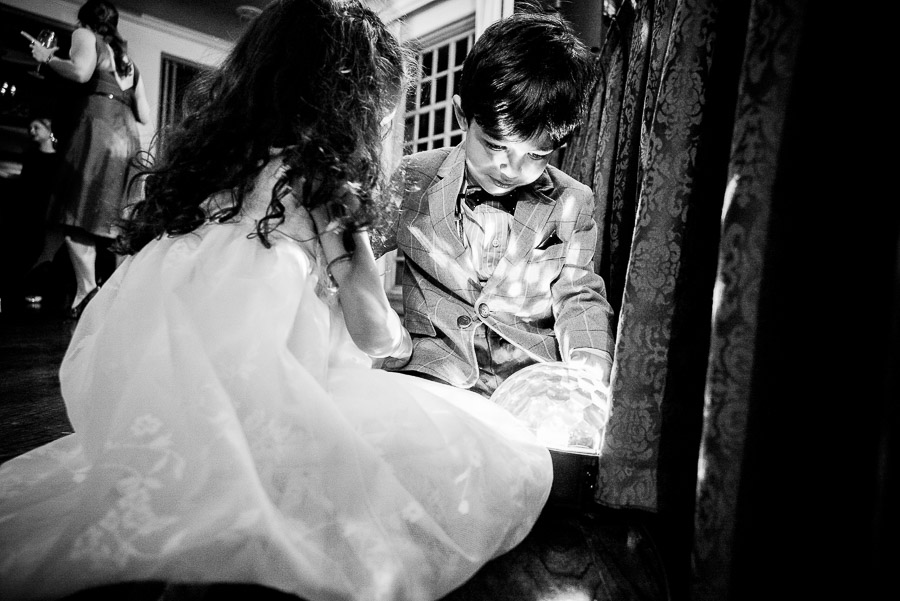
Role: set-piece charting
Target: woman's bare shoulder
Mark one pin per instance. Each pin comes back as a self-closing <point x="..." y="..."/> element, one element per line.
<point x="83" y="36"/>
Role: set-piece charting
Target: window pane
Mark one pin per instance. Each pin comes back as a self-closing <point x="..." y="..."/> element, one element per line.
<point x="443" y="57"/>
<point x="439" y="121"/>
<point x="426" y="63"/>
<point x="440" y="88"/>
<point x="425" y="94"/>
<point x="462" y="46"/>
<point x="429" y="121"/>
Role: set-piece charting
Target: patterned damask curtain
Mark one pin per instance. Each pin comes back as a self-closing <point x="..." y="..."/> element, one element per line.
<point x="726" y="247"/>
<point x="654" y="149"/>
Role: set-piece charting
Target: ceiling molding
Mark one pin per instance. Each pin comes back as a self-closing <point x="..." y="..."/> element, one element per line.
<point x="400" y="8"/>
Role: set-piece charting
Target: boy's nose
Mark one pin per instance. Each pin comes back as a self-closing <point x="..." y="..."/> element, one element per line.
<point x="509" y="165"/>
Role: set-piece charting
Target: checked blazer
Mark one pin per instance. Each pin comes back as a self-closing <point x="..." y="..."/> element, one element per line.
<point x="543" y="297"/>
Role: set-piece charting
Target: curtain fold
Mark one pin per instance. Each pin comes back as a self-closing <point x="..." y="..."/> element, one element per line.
<point x="734" y="224"/>
<point x="774" y="35"/>
<point x="658" y="194"/>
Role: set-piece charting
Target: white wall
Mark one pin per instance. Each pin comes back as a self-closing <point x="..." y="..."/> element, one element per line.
<point x="421" y="18"/>
<point x="148" y="38"/>
<point x="418" y="18"/>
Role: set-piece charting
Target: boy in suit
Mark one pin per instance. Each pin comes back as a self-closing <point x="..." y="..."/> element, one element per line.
<point x="498" y="244"/>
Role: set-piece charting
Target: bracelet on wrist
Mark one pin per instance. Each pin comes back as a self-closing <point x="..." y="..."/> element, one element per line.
<point x="335" y="261"/>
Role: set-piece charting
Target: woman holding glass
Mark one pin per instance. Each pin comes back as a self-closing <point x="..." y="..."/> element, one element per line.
<point x="92" y="185"/>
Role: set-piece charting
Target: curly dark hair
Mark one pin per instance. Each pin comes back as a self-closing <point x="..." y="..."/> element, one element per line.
<point x="314" y="77"/>
<point x="102" y="18"/>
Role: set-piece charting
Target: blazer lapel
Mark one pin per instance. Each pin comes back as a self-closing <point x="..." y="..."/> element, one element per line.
<point x="442" y="198"/>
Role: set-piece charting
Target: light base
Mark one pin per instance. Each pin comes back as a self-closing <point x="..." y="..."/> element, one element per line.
<point x="574" y="478"/>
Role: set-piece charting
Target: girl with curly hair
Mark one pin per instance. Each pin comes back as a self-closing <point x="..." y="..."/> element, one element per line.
<point x="229" y="426"/>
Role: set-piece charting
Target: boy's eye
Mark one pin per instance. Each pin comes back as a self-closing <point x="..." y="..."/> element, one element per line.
<point x="493" y="146"/>
<point x="537" y="157"/>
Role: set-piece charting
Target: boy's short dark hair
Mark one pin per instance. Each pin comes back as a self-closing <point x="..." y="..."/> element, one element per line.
<point x="527" y="74"/>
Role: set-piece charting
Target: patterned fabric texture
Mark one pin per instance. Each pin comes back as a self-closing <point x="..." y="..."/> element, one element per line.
<point x="682" y="146"/>
<point x="543" y="298"/>
<point x="658" y="199"/>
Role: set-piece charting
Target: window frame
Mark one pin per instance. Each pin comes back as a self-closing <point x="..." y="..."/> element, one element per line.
<point x="172" y="85"/>
<point x="428" y="79"/>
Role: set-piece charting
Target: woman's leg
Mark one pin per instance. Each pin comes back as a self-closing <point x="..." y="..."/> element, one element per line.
<point x="83" y="253"/>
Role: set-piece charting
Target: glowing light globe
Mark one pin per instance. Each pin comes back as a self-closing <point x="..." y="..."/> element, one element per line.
<point x="567" y="407"/>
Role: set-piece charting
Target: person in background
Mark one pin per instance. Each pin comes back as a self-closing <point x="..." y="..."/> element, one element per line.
<point x="229" y="426"/>
<point x="24" y="212"/>
<point x="498" y="245"/>
<point x="91" y="190"/>
<point x="38" y="175"/>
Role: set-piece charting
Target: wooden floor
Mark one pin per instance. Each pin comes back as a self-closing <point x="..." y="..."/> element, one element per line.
<point x="590" y="553"/>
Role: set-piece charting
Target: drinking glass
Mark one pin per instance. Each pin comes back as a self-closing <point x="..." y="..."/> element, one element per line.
<point x="47" y="39"/>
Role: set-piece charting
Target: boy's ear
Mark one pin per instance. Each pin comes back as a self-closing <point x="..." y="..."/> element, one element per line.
<point x="459" y="114"/>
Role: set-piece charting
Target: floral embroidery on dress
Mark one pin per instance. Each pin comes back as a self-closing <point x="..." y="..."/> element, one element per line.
<point x="17" y="482"/>
<point x="117" y="536"/>
<point x="128" y="525"/>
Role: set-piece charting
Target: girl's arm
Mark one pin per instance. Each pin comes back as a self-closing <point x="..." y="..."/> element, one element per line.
<point x="373" y="325"/>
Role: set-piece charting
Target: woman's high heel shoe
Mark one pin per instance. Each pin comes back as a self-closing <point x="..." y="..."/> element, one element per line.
<point x="76" y="311"/>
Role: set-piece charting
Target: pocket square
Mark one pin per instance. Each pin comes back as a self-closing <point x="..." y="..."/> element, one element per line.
<point x="549" y="241"/>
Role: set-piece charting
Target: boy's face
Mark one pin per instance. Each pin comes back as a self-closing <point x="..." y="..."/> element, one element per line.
<point x="499" y="165"/>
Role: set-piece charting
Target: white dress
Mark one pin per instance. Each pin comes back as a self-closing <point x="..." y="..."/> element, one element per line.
<point x="228" y="430"/>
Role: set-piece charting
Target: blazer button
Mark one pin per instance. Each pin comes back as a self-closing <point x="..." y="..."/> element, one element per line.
<point x="484" y="310"/>
<point x="464" y="321"/>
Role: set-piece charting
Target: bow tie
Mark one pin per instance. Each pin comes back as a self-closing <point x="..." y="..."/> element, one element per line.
<point x="475" y="195"/>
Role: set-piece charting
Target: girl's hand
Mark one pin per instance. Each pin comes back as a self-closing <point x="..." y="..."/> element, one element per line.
<point x="330" y="232"/>
<point x="373" y="325"/>
<point x="329" y="226"/>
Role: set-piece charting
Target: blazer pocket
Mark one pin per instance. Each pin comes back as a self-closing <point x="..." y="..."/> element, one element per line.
<point x="550" y="250"/>
<point x="551" y="240"/>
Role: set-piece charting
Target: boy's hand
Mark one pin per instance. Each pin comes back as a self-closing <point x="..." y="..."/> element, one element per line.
<point x="595" y="362"/>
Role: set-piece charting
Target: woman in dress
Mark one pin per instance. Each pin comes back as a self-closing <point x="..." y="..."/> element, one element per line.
<point x="91" y="186"/>
<point x="228" y="424"/>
